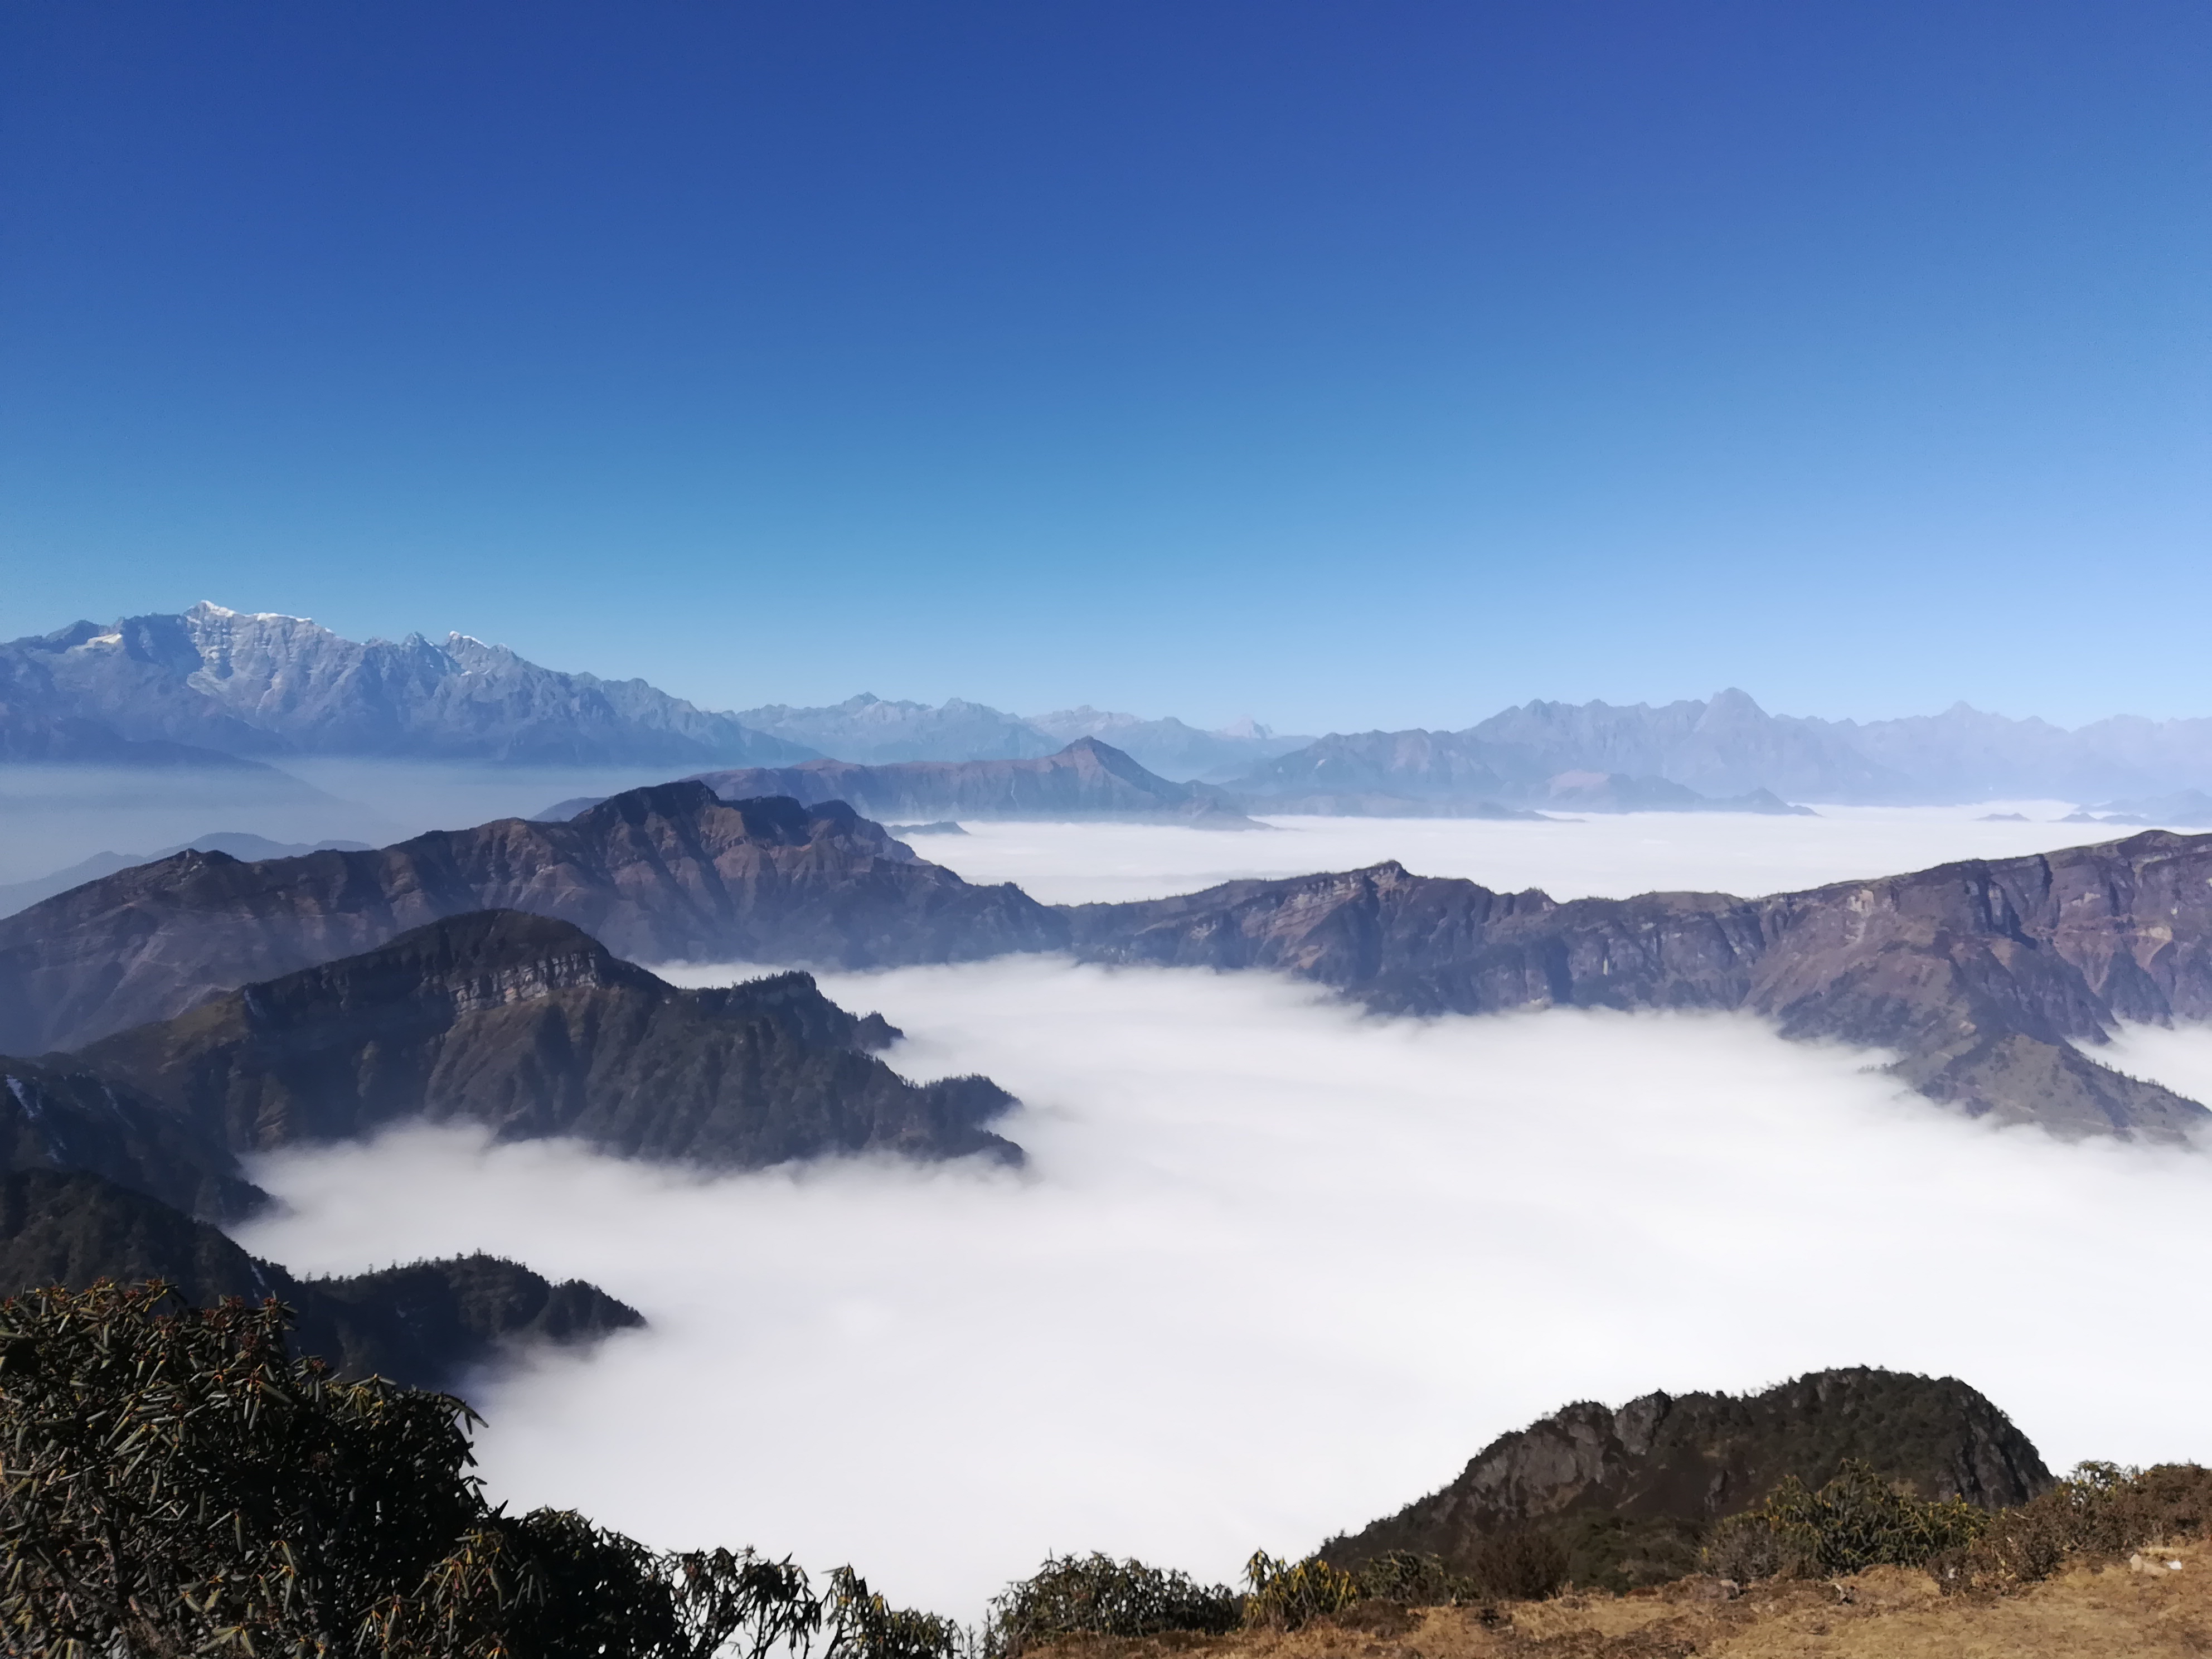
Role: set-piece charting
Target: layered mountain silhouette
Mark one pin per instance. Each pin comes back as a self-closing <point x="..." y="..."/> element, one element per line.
<point x="667" y="873"/>
<point x="873" y="731"/>
<point x="534" y="1029"/>
<point x="1087" y="780"/>
<point x="1987" y="980"/>
<point x="1631" y="1493"/>
<point x="16" y="896"/>
<point x="219" y="681"/>
<point x="426" y="1325"/>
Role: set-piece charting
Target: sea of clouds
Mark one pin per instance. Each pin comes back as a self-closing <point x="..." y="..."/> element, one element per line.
<point x="1609" y="855"/>
<point x="1276" y="1268"/>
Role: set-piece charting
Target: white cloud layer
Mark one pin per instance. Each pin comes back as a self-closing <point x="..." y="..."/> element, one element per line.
<point x="1277" y="1269"/>
<point x="1602" y="855"/>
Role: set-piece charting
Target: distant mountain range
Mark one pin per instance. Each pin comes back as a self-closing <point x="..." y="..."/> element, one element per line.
<point x="1734" y="753"/>
<point x="216" y="688"/>
<point x="211" y="685"/>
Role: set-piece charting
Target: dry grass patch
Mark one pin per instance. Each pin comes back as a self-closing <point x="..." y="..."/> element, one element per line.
<point x="2103" y="1611"/>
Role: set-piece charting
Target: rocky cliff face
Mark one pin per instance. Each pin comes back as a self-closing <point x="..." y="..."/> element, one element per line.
<point x="532" y="1028"/>
<point x="1638" y="1487"/>
<point x="669" y="873"/>
<point x="267" y="684"/>
<point x="1982" y="976"/>
<point x="426" y="1325"/>
<point x="1088" y="779"/>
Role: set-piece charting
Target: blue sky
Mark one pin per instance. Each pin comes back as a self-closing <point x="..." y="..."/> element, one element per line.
<point x="1343" y="364"/>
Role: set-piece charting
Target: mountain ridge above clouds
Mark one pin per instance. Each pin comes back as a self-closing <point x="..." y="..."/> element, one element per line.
<point x="1988" y="979"/>
<point x="661" y="874"/>
<point x="534" y="1029"/>
<point x="426" y="1325"/>
<point x="116" y="1162"/>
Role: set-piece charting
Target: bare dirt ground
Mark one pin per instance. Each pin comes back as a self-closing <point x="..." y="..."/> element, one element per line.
<point x="2108" y="1611"/>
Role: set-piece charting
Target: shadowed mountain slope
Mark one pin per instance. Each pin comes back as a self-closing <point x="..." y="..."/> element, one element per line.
<point x="424" y="1325"/>
<point x="1630" y="1492"/>
<point x="58" y="1113"/>
<point x="1982" y="976"/>
<point x="534" y="1029"/>
<point x="667" y="873"/>
<point x="1087" y="779"/>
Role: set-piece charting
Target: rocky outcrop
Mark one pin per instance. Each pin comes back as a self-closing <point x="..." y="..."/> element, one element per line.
<point x="269" y="684"/>
<point x="534" y="1029"/>
<point x="1988" y="979"/>
<point x="668" y="873"/>
<point x="1087" y="780"/>
<point x="427" y="1325"/>
<point x="1633" y="1490"/>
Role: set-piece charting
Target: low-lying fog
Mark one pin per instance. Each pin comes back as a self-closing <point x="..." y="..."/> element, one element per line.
<point x="1276" y="1268"/>
<point x="1609" y="855"/>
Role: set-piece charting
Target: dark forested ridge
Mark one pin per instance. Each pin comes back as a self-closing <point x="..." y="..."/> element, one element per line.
<point x="424" y="1325"/>
<point x="62" y="1115"/>
<point x="533" y="1028"/>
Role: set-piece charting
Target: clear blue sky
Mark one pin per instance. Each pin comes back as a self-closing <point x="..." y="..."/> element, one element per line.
<point x="1347" y="364"/>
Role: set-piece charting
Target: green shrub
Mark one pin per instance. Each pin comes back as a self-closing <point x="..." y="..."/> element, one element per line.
<point x="1289" y="1595"/>
<point x="1097" y="1595"/>
<point x="1856" y="1521"/>
<point x="1525" y="1564"/>
<point x="1414" y="1580"/>
<point x="2100" y="1510"/>
<point x="172" y="1482"/>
